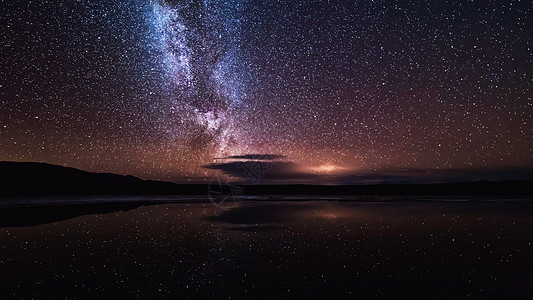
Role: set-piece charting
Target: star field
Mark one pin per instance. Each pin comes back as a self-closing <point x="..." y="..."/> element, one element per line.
<point x="158" y="89"/>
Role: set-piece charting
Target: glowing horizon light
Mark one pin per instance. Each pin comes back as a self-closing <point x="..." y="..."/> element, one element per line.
<point x="327" y="168"/>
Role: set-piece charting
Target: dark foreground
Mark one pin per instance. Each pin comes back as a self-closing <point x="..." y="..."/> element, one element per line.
<point x="272" y="250"/>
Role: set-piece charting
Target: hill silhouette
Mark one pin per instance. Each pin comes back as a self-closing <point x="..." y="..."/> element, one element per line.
<point x="38" y="179"/>
<point x="29" y="178"/>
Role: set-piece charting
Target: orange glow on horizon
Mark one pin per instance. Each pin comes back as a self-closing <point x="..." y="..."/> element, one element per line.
<point x="327" y="168"/>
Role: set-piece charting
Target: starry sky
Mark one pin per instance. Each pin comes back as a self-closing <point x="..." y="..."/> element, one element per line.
<point x="165" y="89"/>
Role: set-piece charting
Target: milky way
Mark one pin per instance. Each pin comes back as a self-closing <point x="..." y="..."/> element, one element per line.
<point x="197" y="45"/>
<point x="159" y="89"/>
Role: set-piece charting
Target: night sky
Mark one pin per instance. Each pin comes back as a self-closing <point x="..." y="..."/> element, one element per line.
<point x="160" y="89"/>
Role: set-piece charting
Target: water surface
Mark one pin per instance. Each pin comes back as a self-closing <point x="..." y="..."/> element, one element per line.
<point x="273" y="249"/>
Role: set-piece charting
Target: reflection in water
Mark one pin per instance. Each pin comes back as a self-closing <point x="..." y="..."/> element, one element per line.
<point x="262" y="217"/>
<point x="276" y="249"/>
<point x="37" y="215"/>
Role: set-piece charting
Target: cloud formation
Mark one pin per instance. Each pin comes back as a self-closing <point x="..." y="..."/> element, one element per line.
<point x="256" y="156"/>
<point x="268" y="168"/>
<point x="261" y="171"/>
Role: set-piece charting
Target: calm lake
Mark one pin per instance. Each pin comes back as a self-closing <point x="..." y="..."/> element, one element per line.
<point x="269" y="249"/>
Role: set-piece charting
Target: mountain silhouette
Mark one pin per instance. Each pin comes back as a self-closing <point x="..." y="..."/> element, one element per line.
<point x="29" y="178"/>
<point x="38" y="179"/>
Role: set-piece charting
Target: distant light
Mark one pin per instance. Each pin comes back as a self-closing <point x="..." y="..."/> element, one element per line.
<point x="326" y="168"/>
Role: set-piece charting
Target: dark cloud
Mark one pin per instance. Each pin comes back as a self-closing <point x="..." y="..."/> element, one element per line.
<point x="256" y="171"/>
<point x="434" y="176"/>
<point x="261" y="168"/>
<point x="256" y="156"/>
<point x="256" y="228"/>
